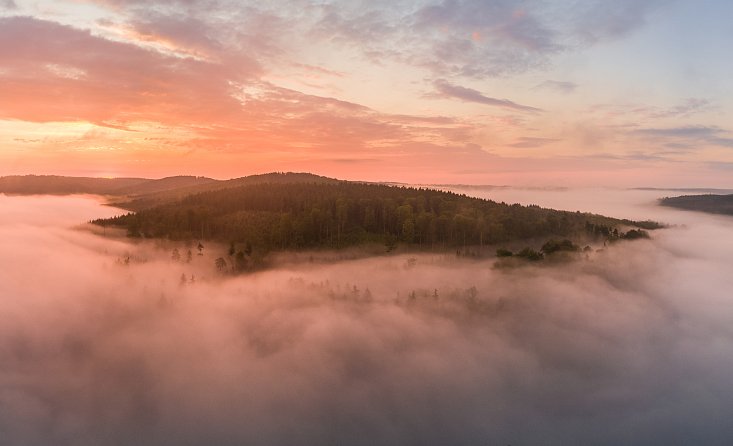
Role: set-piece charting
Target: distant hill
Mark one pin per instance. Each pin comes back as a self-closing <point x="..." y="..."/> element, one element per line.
<point x="58" y="185"/>
<point x="280" y="212"/>
<point x="710" y="203"/>
<point x="142" y="193"/>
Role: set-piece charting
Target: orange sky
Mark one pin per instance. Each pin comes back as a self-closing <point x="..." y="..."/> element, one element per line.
<point x="629" y="93"/>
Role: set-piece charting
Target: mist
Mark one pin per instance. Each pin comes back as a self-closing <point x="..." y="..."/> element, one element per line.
<point x="103" y="342"/>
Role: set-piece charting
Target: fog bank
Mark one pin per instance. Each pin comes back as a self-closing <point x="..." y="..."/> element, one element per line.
<point x="102" y="343"/>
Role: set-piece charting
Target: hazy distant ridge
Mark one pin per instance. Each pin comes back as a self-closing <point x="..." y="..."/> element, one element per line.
<point x="61" y="185"/>
<point x="710" y="203"/>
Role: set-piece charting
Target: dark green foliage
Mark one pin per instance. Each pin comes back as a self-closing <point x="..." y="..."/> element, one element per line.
<point x="634" y="234"/>
<point x="553" y="246"/>
<point x="221" y="264"/>
<point x="612" y="234"/>
<point x="646" y="224"/>
<point x="503" y="252"/>
<point x="259" y="218"/>
<point x="530" y="254"/>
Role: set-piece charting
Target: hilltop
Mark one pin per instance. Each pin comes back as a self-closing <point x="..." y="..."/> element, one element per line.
<point x="147" y="199"/>
<point x="301" y="211"/>
<point x="259" y="214"/>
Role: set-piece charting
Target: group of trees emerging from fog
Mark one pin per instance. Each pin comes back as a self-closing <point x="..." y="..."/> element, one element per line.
<point x="264" y="217"/>
<point x="594" y="231"/>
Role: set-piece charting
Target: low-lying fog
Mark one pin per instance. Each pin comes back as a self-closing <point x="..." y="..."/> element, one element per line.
<point x="102" y="342"/>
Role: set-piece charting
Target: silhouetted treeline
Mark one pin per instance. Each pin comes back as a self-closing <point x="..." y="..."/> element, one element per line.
<point x="309" y="215"/>
<point x="714" y="204"/>
<point x="612" y="234"/>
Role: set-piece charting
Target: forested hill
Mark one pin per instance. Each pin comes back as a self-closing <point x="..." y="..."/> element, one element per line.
<point x="290" y="215"/>
<point x="714" y="204"/>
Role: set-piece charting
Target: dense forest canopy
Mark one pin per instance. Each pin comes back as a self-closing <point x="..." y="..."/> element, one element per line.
<point x="266" y="216"/>
<point x="714" y="204"/>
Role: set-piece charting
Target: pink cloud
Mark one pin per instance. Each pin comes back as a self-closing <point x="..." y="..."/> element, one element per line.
<point x="114" y="81"/>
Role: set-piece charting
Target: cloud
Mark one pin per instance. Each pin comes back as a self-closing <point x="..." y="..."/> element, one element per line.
<point x="709" y="135"/>
<point x="480" y="38"/>
<point x="684" y="132"/>
<point x="107" y="80"/>
<point x="181" y="32"/>
<point x="96" y="351"/>
<point x="688" y="107"/>
<point x="355" y="160"/>
<point x="472" y="38"/>
<point x="54" y="73"/>
<point x="8" y="4"/>
<point x="447" y="90"/>
<point x="527" y="142"/>
<point x="593" y="22"/>
<point x="558" y="86"/>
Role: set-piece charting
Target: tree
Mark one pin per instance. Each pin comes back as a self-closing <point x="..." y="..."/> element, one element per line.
<point x="530" y="254"/>
<point x="503" y="252"/>
<point x="390" y="242"/>
<point x="175" y="255"/>
<point x="408" y="230"/>
<point x="634" y="234"/>
<point x="552" y="246"/>
<point x="221" y="264"/>
<point x="240" y="261"/>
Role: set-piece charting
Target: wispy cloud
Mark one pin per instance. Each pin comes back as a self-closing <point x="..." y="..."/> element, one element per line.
<point x="710" y="135"/>
<point x="527" y="142"/>
<point x="445" y="89"/>
<point x="684" y="132"/>
<point x="596" y="21"/>
<point x="558" y="86"/>
<point x="688" y="107"/>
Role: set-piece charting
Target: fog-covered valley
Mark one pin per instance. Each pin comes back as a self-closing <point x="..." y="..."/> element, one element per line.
<point x="102" y="342"/>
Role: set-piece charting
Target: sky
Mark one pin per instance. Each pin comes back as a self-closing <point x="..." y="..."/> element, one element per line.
<point x="535" y="92"/>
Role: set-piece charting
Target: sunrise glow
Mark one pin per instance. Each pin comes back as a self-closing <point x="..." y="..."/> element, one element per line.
<point x="474" y="92"/>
